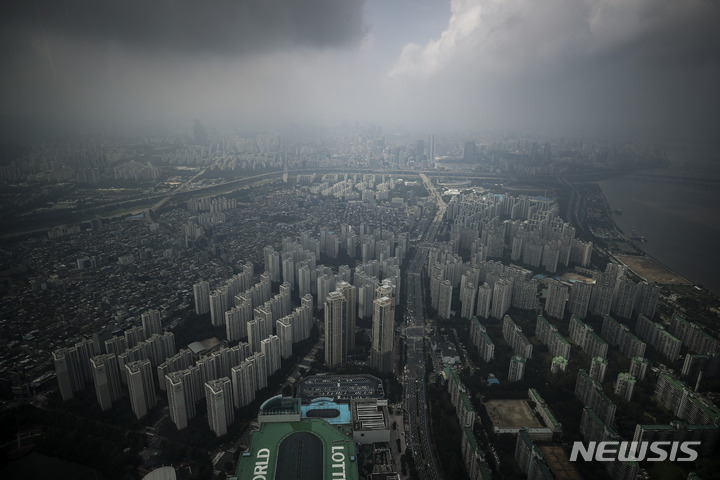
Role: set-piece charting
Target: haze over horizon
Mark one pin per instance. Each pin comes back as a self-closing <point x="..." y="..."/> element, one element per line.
<point x="591" y="67"/>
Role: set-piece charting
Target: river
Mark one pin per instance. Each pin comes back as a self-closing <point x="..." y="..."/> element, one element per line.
<point x="679" y="219"/>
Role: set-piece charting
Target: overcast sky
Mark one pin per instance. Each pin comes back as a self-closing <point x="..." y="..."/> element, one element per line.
<point x="627" y="67"/>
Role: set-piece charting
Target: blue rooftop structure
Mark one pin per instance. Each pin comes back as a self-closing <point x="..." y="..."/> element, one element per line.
<point x="325" y="408"/>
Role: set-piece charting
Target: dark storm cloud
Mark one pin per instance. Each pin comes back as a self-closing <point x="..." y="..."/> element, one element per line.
<point x="646" y="67"/>
<point x="224" y="27"/>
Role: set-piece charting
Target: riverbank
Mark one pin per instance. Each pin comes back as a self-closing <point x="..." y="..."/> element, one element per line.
<point x="677" y="222"/>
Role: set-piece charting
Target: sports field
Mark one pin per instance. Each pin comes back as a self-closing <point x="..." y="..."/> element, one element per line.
<point x="511" y="413"/>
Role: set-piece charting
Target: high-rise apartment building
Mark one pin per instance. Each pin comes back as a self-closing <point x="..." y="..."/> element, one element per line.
<point x="625" y="385"/>
<point x="151" y="323"/>
<point x="140" y="386"/>
<point x="201" y="294"/>
<point x="243" y="379"/>
<point x="445" y="290"/>
<point x="579" y="302"/>
<point x="383" y="333"/>
<point x="219" y="405"/>
<point x="67" y="370"/>
<point x="106" y="378"/>
<point x="270" y="346"/>
<point x="350" y="293"/>
<point x="598" y="367"/>
<point x="557" y="297"/>
<point x="484" y="300"/>
<point x="516" y="371"/>
<point x="335" y="324"/>
<point x="179" y="401"/>
<point x="480" y="338"/>
<point x="501" y="298"/>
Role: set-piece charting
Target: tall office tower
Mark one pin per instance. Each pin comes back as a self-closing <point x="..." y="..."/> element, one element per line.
<point x="624" y="385"/>
<point x="598" y="367"/>
<point x="624" y="300"/>
<point x="335" y="315"/>
<point x="646" y="299"/>
<point x="444" y="299"/>
<point x="219" y="405"/>
<point x="383" y="338"/>
<point x="484" y="300"/>
<point x="178" y="399"/>
<point x="270" y="347"/>
<point x="502" y="297"/>
<point x="350" y="293"/>
<point x="467" y="300"/>
<point x="432" y="148"/>
<point x="638" y="367"/>
<point x="272" y="264"/>
<point x="285" y="335"/>
<point x="201" y="294"/>
<point x="516" y="371"/>
<point x="253" y="334"/>
<point x="107" y="379"/>
<point x="557" y="296"/>
<point x="579" y="301"/>
<point x="67" y="370"/>
<point x="260" y="368"/>
<point x="141" y="387"/>
<point x="243" y="379"/>
<point x="151" y="323"/>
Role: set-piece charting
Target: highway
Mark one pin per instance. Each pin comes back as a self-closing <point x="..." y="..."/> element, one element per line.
<point x="418" y="438"/>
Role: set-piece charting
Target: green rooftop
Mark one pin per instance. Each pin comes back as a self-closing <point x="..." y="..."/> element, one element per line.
<point x="306" y="450"/>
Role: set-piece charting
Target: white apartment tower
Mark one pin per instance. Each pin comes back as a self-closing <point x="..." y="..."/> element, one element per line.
<point x="219" y="405"/>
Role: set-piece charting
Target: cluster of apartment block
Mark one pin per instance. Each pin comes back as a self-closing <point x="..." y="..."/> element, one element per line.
<point x="473" y="456"/>
<point x="480" y="338"/>
<point x="586" y="338"/>
<point x="530" y="458"/>
<point x="602" y="293"/>
<point x="683" y="402"/>
<point x="591" y="394"/>
<point x="548" y="334"/>
<point x="105" y="365"/>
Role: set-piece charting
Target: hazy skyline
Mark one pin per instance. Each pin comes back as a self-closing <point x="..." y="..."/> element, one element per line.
<point x="608" y="67"/>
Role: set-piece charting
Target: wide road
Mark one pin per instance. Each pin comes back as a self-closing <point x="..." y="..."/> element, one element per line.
<point x="419" y="439"/>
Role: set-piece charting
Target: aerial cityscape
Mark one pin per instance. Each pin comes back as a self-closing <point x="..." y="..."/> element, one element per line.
<point x="360" y="240"/>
